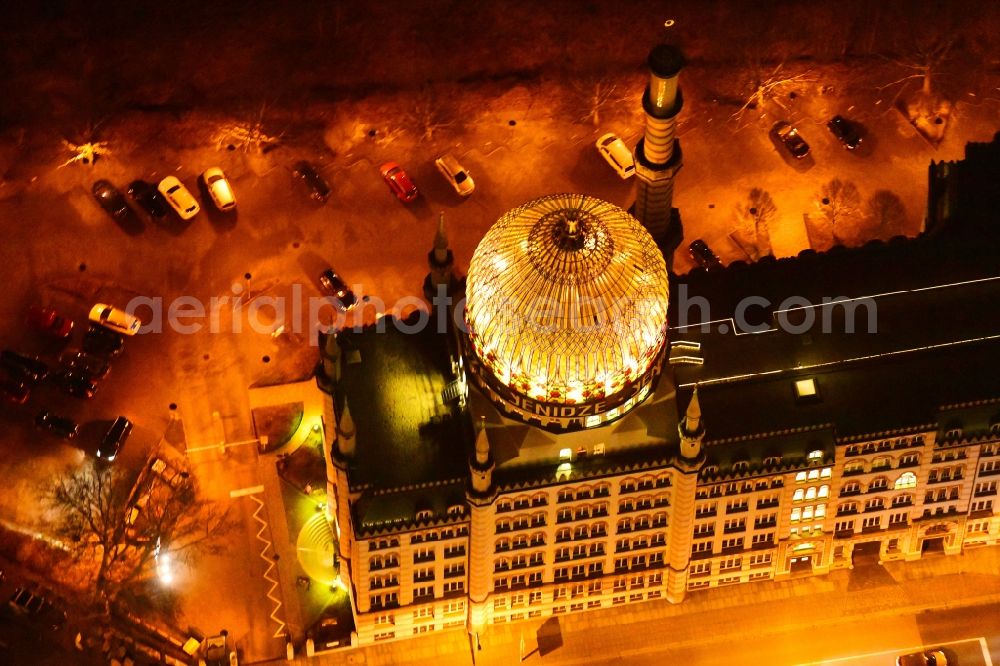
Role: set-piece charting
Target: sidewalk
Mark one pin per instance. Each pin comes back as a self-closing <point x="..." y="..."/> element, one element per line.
<point x="937" y="582"/>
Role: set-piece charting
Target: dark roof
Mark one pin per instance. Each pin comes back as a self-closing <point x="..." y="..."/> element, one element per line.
<point x="405" y="435"/>
<point x="936" y="340"/>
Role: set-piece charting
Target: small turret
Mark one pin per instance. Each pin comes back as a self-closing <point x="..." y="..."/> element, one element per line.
<point x="691" y="429"/>
<point x="481" y="464"/>
<point x="441" y="262"/>
<point x="346" y="433"/>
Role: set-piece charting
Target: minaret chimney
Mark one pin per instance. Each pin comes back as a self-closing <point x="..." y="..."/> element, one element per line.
<point x="441" y="262"/>
<point x="658" y="153"/>
<point x="691" y="429"/>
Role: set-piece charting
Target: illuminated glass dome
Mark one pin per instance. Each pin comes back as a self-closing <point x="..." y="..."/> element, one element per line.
<point x="567" y="300"/>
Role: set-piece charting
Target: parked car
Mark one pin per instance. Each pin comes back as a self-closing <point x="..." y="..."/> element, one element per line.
<point x="179" y="197"/>
<point x="103" y="342"/>
<point x="48" y="321"/>
<point x="14" y="391"/>
<point x="930" y="658"/>
<point x="319" y="189"/>
<point x="110" y="199"/>
<point x="616" y="153"/>
<point x="845" y="131"/>
<point x="92" y="364"/>
<point x="399" y="182"/>
<point x="34" y="605"/>
<point x="791" y="139"/>
<point x="219" y="189"/>
<point x="455" y="174"/>
<point x="114" y="439"/>
<point x="22" y="366"/>
<point x="149" y="198"/>
<point x="58" y="425"/>
<point x="329" y="633"/>
<point x="117" y="320"/>
<point x="77" y="384"/>
<point x="335" y="286"/>
<point x="703" y="255"/>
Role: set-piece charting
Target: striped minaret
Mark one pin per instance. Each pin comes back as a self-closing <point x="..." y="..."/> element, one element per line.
<point x="658" y="153"/>
<point x="685" y="486"/>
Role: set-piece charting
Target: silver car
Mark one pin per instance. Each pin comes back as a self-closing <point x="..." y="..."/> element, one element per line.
<point x="455" y="174"/>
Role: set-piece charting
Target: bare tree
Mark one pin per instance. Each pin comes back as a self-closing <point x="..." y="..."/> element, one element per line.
<point x="429" y="114"/>
<point x="770" y="86"/>
<point x="754" y="217"/>
<point x="839" y="203"/>
<point x="117" y="530"/>
<point x="595" y="95"/>
<point x="885" y="214"/>
<point x="248" y="134"/>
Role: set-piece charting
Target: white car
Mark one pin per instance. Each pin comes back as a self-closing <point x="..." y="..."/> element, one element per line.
<point x="114" y="319"/>
<point x="616" y="153"/>
<point x="455" y="174"/>
<point x="178" y="197"/>
<point x="219" y="189"/>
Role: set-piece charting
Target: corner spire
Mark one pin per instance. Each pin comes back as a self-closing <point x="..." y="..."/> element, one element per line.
<point x="346" y="432"/>
<point x="692" y="417"/>
<point x="691" y="428"/>
<point x="482" y="443"/>
<point x="441" y="241"/>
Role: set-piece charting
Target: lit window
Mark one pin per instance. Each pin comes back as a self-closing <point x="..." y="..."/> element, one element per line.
<point x="824" y="491"/>
<point x="805" y="388"/>
<point x="826" y="473"/>
<point x="807" y="513"/>
<point x="811" y="493"/>
<point x="799" y="494"/>
<point x="565" y="454"/>
<point x="592" y="421"/>
<point x="813" y="474"/>
<point x="800" y="477"/>
<point x="906" y="480"/>
<point x="820" y="510"/>
<point x="796" y="513"/>
<point x="815" y="455"/>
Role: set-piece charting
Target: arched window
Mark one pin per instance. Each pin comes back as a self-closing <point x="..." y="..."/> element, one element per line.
<point x="824" y="491"/>
<point x="881" y="462"/>
<point x="798" y="495"/>
<point x="906" y="480"/>
<point x="811" y="493"/>
<point x="854" y="467"/>
<point x="815" y="455"/>
<point x="813" y="474"/>
<point x="741" y="466"/>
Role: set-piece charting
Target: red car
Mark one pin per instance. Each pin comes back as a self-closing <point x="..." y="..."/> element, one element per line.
<point x="399" y="182"/>
<point x="48" y="321"/>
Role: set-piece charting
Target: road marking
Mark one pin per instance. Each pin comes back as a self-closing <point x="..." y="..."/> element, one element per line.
<point x="915" y="648"/>
<point x="986" y="652"/>
<point x="243" y="492"/>
<point x="281" y="631"/>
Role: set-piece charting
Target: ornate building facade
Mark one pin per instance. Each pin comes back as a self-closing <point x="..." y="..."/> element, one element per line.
<point x="561" y="433"/>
